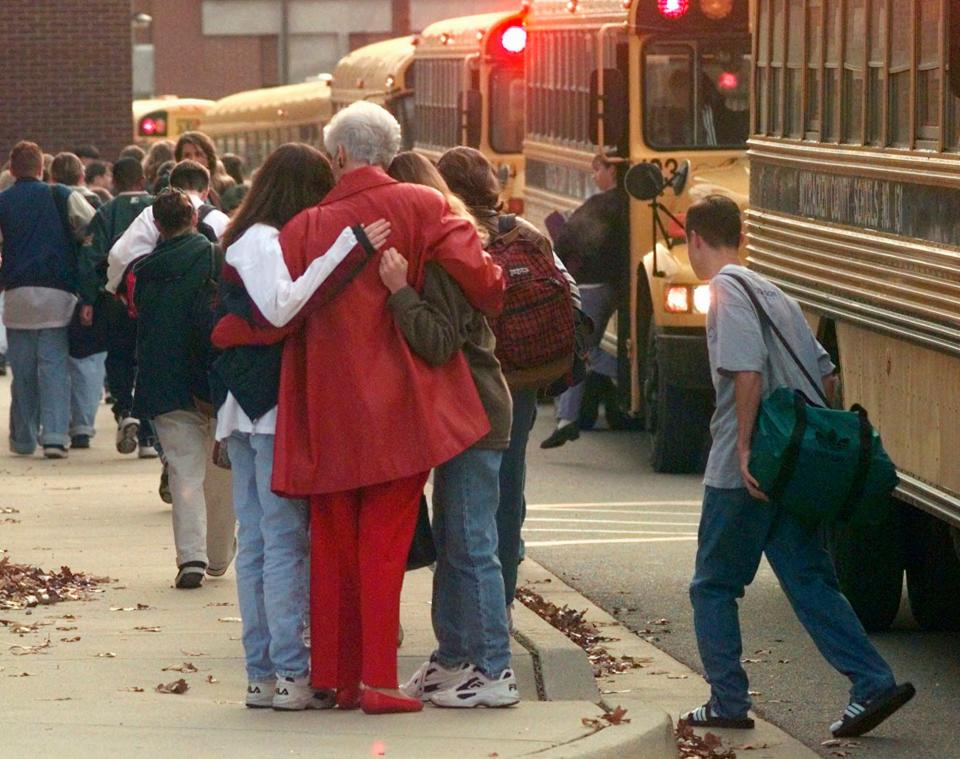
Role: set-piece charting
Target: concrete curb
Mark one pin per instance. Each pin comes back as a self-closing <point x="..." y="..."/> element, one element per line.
<point x="563" y="670"/>
<point x="648" y="735"/>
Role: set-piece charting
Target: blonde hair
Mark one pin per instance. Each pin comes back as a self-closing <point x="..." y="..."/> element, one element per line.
<point x="413" y="168"/>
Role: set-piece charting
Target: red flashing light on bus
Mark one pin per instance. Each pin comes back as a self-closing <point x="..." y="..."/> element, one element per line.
<point x="150" y="127"/>
<point x="727" y="81"/>
<point x="673" y="9"/>
<point x="514" y="39"/>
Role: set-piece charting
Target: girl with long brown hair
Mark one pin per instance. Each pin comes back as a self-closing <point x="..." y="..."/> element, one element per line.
<point x="272" y="538"/>
<point x="196" y="146"/>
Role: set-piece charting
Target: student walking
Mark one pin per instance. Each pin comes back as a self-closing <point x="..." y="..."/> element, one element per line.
<point x="738" y="524"/>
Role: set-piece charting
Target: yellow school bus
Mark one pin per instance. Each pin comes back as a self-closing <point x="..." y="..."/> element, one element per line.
<point x="381" y="73"/>
<point x="646" y="81"/>
<point x="166" y="118"/>
<point x="855" y="212"/>
<point x="470" y="91"/>
<point x="254" y="123"/>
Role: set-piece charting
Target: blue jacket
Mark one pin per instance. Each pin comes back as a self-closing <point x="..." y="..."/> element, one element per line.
<point x="37" y="251"/>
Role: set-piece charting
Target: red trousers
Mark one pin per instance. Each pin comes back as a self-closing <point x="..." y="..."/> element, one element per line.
<point x="359" y="540"/>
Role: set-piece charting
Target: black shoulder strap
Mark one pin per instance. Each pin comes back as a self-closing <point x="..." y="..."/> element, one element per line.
<point x="765" y="319"/>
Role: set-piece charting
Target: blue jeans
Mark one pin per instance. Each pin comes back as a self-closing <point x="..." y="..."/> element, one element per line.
<point x="86" y="392"/>
<point x="599" y="302"/>
<point x="734" y="531"/>
<point x="469" y="613"/>
<point x="272" y="564"/>
<point x="513" y="475"/>
<point x="40" y="391"/>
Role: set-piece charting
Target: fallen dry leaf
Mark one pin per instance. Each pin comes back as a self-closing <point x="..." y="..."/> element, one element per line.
<point x="149" y="629"/>
<point x="132" y="689"/>
<point x="19" y="650"/>
<point x="66" y="628"/>
<point x="178" y="687"/>
<point x="106" y="655"/>
<point x="23" y="586"/>
<point x="138" y="607"/>
<point x="677" y="677"/>
<point x="212" y="680"/>
<point x="692" y="746"/>
<point x="70" y="640"/>
<point x="192" y="653"/>
<point x="220" y="603"/>
<point x="229" y="619"/>
<point x="752" y="747"/>
<point x="9" y="510"/>
<point x="185" y="667"/>
<point x="617" y="716"/>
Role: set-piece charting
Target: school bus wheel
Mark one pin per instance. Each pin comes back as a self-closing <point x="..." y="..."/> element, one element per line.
<point x="933" y="572"/>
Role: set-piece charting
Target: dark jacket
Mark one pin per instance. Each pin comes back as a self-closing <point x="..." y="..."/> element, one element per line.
<point x="594" y="244"/>
<point x="173" y="348"/>
<point x="111" y="221"/>
<point x="37" y="252"/>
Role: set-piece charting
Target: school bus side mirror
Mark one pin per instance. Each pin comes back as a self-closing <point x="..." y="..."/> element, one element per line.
<point x="644" y="181"/>
<point x="472" y="118"/>
<point x="614" y="112"/>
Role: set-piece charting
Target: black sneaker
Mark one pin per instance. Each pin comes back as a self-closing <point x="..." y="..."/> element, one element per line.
<point x="190" y="575"/>
<point x="80" y="441"/>
<point x="561" y="435"/>
<point x="702" y="716"/>
<point x="861" y="717"/>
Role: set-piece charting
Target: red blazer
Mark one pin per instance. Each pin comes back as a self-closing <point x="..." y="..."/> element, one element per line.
<point x="356" y="406"/>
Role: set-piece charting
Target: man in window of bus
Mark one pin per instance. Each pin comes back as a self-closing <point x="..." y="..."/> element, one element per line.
<point x="87" y="373"/>
<point x="594" y="246"/>
<point x="142" y="236"/>
<point x="107" y="226"/>
<point x="738" y="523"/>
<point x="670" y="117"/>
<point x="36" y="275"/>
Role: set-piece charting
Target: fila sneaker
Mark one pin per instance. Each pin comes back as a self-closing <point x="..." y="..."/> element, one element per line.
<point x="294" y="694"/>
<point x="476" y="689"/>
<point x="260" y="694"/>
<point x="430" y="678"/>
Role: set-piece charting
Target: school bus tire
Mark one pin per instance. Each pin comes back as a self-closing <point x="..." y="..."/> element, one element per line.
<point x="933" y="573"/>
<point x="674" y="419"/>
<point x="869" y="561"/>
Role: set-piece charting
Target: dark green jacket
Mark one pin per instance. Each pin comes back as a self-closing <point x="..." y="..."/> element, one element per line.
<point x="111" y="221"/>
<point x="173" y="343"/>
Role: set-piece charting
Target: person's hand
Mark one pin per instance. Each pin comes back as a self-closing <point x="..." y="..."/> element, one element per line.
<point x="86" y="316"/>
<point x="753" y="487"/>
<point x="393" y="270"/>
<point x="377" y="232"/>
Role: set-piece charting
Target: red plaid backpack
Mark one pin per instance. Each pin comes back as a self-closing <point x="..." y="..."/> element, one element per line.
<point x="535" y="330"/>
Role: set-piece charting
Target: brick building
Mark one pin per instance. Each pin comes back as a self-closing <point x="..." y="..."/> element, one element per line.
<point x="65" y="76"/>
<point x="212" y="48"/>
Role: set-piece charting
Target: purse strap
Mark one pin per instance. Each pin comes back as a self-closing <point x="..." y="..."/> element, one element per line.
<point x="765" y="319"/>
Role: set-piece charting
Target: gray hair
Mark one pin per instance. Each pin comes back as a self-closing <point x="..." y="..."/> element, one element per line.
<point x="366" y="132"/>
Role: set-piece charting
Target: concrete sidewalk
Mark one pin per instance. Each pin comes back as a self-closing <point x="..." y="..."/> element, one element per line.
<point x="90" y="693"/>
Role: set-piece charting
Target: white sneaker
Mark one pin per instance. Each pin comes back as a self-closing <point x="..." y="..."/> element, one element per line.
<point x="260" y="694"/>
<point x="293" y="694"/>
<point x="476" y="689"/>
<point x="127" y="432"/>
<point x="147" y="452"/>
<point x="430" y="678"/>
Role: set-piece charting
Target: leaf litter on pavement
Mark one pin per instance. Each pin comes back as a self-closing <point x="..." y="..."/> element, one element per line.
<point x="23" y="586"/>
<point x="177" y="687"/>
<point x="693" y="746"/>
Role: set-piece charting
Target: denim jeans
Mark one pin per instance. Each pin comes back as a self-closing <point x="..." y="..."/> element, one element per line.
<point x="86" y="392"/>
<point x="513" y="474"/>
<point x="469" y="613"/>
<point x="121" y="366"/>
<point x="40" y="391"/>
<point x="599" y="302"/>
<point x="734" y="531"/>
<point x="272" y="563"/>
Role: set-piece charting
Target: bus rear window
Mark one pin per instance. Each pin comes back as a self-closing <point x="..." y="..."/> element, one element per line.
<point x="506" y="109"/>
<point x="696" y="94"/>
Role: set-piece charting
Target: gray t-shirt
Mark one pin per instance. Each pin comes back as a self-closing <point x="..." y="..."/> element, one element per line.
<point x="737" y="343"/>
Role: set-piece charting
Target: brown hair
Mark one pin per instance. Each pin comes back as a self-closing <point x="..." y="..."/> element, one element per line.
<point x="159" y="153"/>
<point x="294" y="177"/>
<point x="26" y="159"/>
<point x="716" y="219"/>
<point x="190" y="175"/>
<point x="200" y="140"/>
<point x="173" y="211"/>
<point x="66" y="169"/>
<point x="413" y="168"/>
<point x="470" y="175"/>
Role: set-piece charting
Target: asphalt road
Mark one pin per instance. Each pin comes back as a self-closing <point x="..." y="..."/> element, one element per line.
<point x="626" y="538"/>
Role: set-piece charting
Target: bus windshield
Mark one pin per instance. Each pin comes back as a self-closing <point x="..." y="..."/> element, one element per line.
<point x="712" y="114"/>
<point x="506" y="109"/>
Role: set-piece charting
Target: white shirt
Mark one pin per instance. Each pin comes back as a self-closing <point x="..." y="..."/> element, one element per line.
<point x="142" y="237"/>
<point x="258" y="259"/>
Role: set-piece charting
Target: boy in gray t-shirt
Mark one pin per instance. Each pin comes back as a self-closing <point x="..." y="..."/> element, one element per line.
<point x="738" y="524"/>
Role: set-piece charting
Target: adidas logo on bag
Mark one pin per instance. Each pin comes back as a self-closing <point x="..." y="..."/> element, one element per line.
<point x="832" y="440"/>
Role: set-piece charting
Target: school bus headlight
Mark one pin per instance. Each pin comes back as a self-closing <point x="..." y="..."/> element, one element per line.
<point x="716" y="9"/>
<point x="701" y="299"/>
<point x="677" y="300"/>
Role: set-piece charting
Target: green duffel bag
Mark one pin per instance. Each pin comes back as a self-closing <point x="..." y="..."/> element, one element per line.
<point x="821" y="464"/>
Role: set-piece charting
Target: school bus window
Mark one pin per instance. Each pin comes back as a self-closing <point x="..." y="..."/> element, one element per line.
<point x="777" y="57"/>
<point x="814" y="45"/>
<point x="506" y="110"/>
<point x="876" y="71"/>
<point x="901" y="72"/>
<point x="762" y="84"/>
<point x="794" y="73"/>
<point x="712" y="113"/>
<point x="928" y="71"/>
<point x="853" y="52"/>
<point x="953" y="138"/>
<point x="831" y="73"/>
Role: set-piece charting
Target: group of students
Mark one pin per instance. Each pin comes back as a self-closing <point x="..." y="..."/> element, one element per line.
<point x="305" y="364"/>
